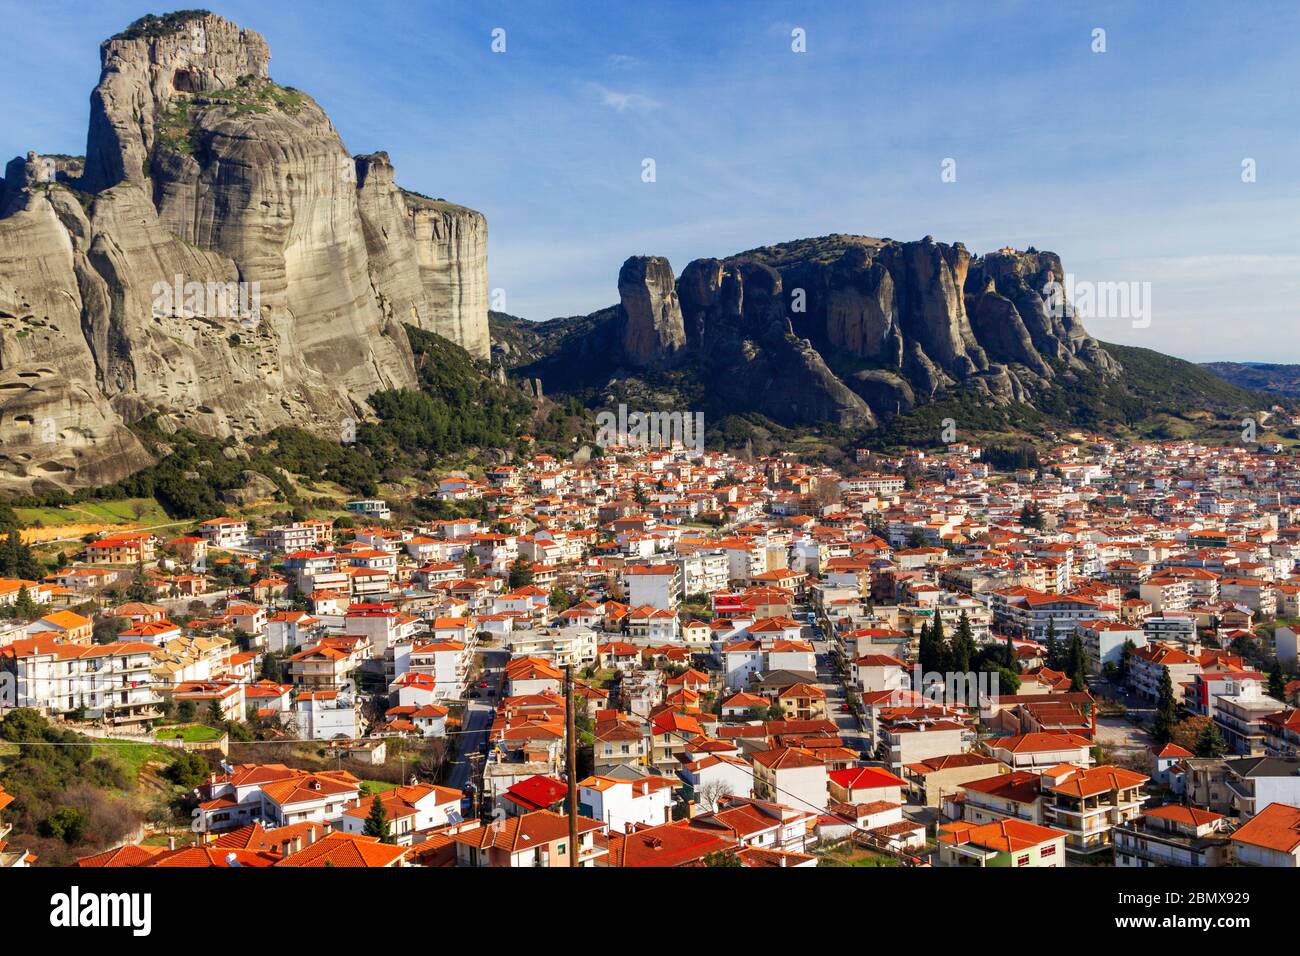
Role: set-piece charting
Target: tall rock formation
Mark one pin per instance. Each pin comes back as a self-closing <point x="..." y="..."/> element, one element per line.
<point x="218" y="257"/>
<point x="651" y="316"/>
<point x="428" y="257"/>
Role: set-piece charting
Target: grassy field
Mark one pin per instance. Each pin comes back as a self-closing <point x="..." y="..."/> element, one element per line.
<point x="131" y="755"/>
<point x="190" y="734"/>
<point x="141" y="511"/>
<point x="378" y="786"/>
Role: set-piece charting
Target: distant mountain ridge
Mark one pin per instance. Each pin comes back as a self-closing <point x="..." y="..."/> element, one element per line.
<point x="1262" y="376"/>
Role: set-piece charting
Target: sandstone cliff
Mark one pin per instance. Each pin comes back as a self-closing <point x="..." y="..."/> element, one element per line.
<point x="219" y="257"/>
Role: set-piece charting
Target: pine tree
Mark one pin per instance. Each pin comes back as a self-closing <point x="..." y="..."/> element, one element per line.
<point x="1276" y="682"/>
<point x="377" y="822"/>
<point x="1166" y="710"/>
<point x="521" y="573"/>
<point x="1078" y="659"/>
<point x="1053" y="656"/>
<point x="963" y="654"/>
<point x="928" y="654"/>
<point x="1210" y="743"/>
<point x="24" y="606"/>
<point x="943" y="654"/>
<point x="1010" y="657"/>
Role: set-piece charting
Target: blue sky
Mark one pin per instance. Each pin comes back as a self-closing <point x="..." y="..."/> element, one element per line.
<point x="1127" y="163"/>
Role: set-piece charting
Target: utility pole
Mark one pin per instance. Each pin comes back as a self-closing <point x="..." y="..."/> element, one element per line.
<point x="571" y="759"/>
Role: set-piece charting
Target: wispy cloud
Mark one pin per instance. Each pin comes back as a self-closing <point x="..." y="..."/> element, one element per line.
<point x="622" y="102"/>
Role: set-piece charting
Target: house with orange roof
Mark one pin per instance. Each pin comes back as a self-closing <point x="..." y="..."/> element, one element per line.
<point x="11" y="857"/>
<point x="1034" y="750"/>
<point x="802" y="701"/>
<point x="670" y="845"/>
<point x="275" y="793"/>
<point x="113" y="681"/>
<point x="532" y="675"/>
<point x="412" y="811"/>
<point x="1001" y="843"/>
<point x="536" y="839"/>
<point x="340" y="849"/>
<point x="928" y="781"/>
<point x="321" y="666"/>
<point x="1015" y="795"/>
<point x="123" y="548"/>
<point x="1088" y="802"/>
<point x="1173" y="835"/>
<point x="1270" y="838"/>
<point x="64" y="626"/>
<point x="865" y="785"/>
<point x="622" y="804"/>
<point x="794" y="776"/>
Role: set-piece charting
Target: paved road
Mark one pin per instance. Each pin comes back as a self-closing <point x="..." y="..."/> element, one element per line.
<point x="831" y="683"/>
<point x="477" y="720"/>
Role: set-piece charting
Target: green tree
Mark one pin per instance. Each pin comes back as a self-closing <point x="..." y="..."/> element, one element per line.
<point x="66" y="823"/>
<point x="1053" y="653"/>
<point x="1210" y="743"/>
<point x="1276" y="682"/>
<point x="928" y="652"/>
<point x="1078" y="658"/>
<point x="963" y="645"/>
<point x="1166" y="710"/>
<point x="187" y="771"/>
<point x="24" y="606"/>
<point x="377" y="822"/>
<point x="942" y="652"/>
<point x="722" y="858"/>
<point x="521" y="574"/>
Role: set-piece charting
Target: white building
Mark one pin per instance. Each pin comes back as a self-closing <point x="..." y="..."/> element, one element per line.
<point x="621" y="804"/>
<point x="326" y="714"/>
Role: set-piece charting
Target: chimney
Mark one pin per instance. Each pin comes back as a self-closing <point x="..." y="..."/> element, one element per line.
<point x="171" y="843"/>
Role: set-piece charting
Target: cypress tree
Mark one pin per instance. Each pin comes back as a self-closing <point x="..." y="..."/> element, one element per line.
<point x="1166" y="710"/>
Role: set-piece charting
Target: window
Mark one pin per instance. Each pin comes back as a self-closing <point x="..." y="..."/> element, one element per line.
<point x="1022" y="860"/>
<point x="1048" y="851"/>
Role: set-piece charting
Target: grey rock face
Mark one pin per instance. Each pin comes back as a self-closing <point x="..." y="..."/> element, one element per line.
<point x="652" y="330"/>
<point x="200" y="172"/>
<point x="851" y="330"/>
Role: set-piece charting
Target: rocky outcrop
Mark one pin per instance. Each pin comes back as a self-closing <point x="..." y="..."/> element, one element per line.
<point x="753" y="359"/>
<point x="650" y="313"/>
<point x="845" y="330"/>
<point x="55" y="424"/>
<point x="451" y="245"/>
<point x="218" y="257"/>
